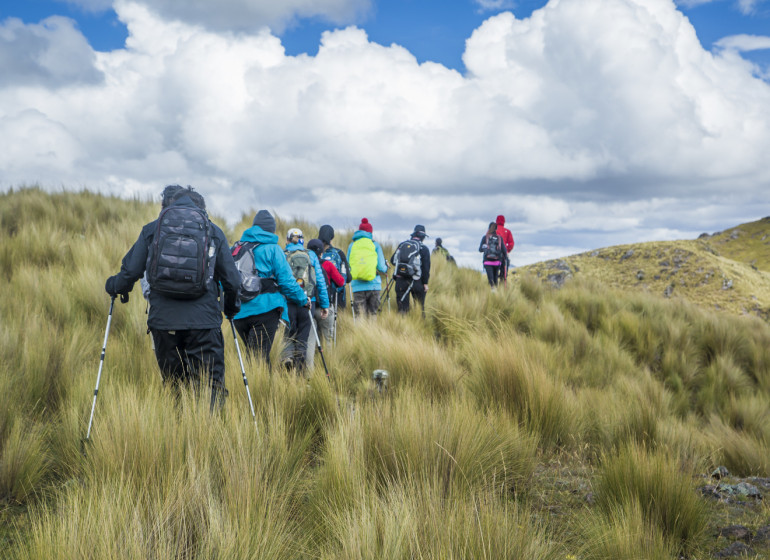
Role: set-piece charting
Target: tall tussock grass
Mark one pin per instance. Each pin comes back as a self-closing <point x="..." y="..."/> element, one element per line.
<point x="484" y="392"/>
<point x="651" y="483"/>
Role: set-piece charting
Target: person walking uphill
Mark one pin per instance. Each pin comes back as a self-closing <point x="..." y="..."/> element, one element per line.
<point x="333" y="280"/>
<point x="412" y="270"/>
<point x="366" y="260"/>
<point x="257" y="321"/>
<point x="494" y="254"/>
<point x="507" y="238"/>
<point x="186" y="258"/>
<point x="309" y="275"/>
<point x="340" y="261"/>
<point x="439" y="249"/>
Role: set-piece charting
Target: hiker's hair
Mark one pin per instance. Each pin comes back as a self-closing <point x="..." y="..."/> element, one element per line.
<point x="492" y="229"/>
<point x="173" y="193"/>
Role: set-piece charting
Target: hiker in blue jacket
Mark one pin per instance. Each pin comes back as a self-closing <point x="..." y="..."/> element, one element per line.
<point x="295" y="355"/>
<point x="257" y="321"/>
<point x="366" y="293"/>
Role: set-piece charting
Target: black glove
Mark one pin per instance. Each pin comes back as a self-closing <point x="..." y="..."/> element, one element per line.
<point x="232" y="309"/>
<point x="109" y="286"/>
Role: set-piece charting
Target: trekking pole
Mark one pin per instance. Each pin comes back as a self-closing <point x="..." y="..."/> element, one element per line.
<point x="386" y="293"/>
<point x="101" y="365"/>
<point x="409" y="289"/>
<point x="352" y="304"/>
<point x="336" y="311"/>
<point x="243" y="372"/>
<point x="318" y="342"/>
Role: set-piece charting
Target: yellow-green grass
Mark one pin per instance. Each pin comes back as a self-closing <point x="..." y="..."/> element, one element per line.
<point x="635" y="391"/>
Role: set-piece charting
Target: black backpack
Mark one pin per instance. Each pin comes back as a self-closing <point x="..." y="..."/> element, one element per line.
<point x="180" y="263"/>
<point x="494" y="250"/>
<point x="252" y="284"/>
<point x="408" y="261"/>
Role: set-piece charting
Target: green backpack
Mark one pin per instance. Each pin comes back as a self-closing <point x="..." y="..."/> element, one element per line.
<point x="363" y="260"/>
<point x="302" y="269"/>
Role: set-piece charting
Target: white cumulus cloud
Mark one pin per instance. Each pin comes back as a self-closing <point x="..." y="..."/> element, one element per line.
<point x="243" y="15"/>
<point x="744" y="43"/>
<point x="51" y="54"/>
<point x="746" y="7"/>
<point x="590" y="123"/>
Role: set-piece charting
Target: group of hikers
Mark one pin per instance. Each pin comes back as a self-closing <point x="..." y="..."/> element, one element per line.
<point x="190" y="276"/>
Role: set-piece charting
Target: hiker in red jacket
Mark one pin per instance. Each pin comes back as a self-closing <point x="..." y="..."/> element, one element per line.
<point x="505" y="233"/>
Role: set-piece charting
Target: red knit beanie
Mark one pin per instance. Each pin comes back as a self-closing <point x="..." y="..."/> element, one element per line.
<point x="500" y="221"/>
<point x="365" y="225"/>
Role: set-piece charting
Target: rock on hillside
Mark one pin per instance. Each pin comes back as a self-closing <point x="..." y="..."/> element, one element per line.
<point x="728" y="271"/>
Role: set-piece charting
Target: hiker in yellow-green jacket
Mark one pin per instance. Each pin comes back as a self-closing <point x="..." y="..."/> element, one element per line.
<point x="366" y="259"/>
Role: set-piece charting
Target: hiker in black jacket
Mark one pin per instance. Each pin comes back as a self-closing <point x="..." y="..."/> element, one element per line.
<point x="187" y="332"/>
<point x="414" y="282"/>
<point x="340" y="261"/>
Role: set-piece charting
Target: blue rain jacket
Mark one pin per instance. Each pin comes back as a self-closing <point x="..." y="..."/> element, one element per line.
<point x="270" y="262"/>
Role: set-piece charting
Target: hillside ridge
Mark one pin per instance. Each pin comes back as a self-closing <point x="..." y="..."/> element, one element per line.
<point x="725" y="271"/>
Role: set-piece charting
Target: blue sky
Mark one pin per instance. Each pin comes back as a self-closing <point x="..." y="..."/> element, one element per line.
<point x="587" y="123"/>
<point x="432" y="30"/>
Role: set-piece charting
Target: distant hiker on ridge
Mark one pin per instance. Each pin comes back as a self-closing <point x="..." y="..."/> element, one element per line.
<point x="439" y="249"/>
<point x="507" y="237"/>
<point x="494" y="255"/>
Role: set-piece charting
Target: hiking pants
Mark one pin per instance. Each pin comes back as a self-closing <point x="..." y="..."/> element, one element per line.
<point x="494" y="273"/>
<point x="417" y="292"/>
<point x="297" y="337"/>
<point x="183" y="355"/>
<point x="325" y="326"/>
<point x="366" y="301"/>
<point x="258" y="332"/>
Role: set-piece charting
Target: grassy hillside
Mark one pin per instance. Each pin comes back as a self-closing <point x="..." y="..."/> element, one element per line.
<point x="529" y="423"/>
<point x="727" y="271"/>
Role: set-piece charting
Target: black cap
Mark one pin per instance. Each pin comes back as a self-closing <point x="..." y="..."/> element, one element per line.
<point x="265" y="220"/>
<point x="316" y="245"/>
<point x="326" y="233"/>
<point x="419" y="231"/>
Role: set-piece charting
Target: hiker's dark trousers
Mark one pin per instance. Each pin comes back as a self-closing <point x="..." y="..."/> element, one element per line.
<point x="297" y="335"/>
<point x="183" y="356"/>
<point x="494" y="273"/>
<point x="366" y="301"/>
<point x="258" y="332"/>
<point x="417" y="292"/>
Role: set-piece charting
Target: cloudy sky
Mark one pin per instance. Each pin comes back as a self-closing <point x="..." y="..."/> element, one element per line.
<point x="587" y="123"/>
